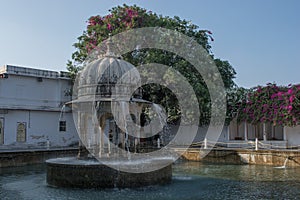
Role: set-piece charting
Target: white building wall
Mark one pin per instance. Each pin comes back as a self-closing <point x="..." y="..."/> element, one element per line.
<point x="202" y="134"/>
<point x="36" y="97"/>
<point x="18" y="92"/>
<point x="40" y="126"/>
<point x="292" y="135"/>
<point x="199" y="137"/>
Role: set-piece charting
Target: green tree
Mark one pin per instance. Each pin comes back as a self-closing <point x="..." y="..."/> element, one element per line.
<point x="122" y="18"/>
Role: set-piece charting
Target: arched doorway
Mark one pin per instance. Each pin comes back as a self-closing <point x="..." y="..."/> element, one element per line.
<point x="21" y="132"/>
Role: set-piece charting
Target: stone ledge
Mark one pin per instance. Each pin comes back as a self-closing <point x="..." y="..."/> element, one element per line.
<point x="98" y="175"/>
<point x="242" y="156"/>
<point x="15" y="158"/>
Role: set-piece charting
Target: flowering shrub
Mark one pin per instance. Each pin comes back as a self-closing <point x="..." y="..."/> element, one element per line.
<point x="120" y="19"/>
<point x="276" y="104"/>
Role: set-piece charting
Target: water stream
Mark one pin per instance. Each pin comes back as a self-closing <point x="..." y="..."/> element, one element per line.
<point x="284" y="164"/>
<point x="62" y="112"/>
<point x="124" y="111"/>
<point x="162" y="117"/>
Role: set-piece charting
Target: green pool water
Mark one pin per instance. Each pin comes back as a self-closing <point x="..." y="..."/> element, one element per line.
<point x="191" y="180"/>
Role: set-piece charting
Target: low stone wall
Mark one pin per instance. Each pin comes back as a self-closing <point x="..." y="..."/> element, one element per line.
<point x="93" y="174"/>
<point x="237" y="156"/>
<point x="269" y="157"/>
<point x="27" y="157"/>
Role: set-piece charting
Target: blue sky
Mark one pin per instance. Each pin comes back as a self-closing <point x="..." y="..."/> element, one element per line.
<point x="260" y="38"/>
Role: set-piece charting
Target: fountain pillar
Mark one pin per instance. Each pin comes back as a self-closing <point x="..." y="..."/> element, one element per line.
<point x="79" y="142"/>
<point x="100" y="143"/>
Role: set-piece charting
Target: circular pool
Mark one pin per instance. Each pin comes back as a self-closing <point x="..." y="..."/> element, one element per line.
<point x="72" y="172"/>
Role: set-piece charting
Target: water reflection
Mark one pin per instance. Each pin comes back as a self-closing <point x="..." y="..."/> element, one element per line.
<point x="192" y="180"/>
<point x="239" y="172"/>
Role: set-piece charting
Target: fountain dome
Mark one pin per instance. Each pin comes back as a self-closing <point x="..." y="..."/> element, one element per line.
<point x="107" y="78"/>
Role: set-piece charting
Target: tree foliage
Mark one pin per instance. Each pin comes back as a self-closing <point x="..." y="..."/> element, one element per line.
<point x="122" y="18"/>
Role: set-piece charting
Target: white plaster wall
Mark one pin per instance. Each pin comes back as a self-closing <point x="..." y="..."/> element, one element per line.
<point x="37" y="103"/>
<point x="48" y="124"/>
<point x="293" y="135"/>
<point x="26" y="92"/>
<point x="201" y="134"/>
<point x="10" y="125"/>
<point x="41" y="125"/>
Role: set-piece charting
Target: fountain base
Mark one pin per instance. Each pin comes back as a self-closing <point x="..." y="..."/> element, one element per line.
<point x="71" y="172"/>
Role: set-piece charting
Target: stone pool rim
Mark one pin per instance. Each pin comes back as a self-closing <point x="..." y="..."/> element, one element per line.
<point x="94" y="174"/>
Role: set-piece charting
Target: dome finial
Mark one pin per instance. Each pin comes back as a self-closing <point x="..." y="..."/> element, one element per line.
<point x="110" y="47"/>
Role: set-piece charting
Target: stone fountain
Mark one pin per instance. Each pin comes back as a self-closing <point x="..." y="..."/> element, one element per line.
<point x="108" y="112"/>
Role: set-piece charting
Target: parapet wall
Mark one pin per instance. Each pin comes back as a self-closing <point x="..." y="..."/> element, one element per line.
<point x="259" y="157"/>
<point x="27" y="157"/>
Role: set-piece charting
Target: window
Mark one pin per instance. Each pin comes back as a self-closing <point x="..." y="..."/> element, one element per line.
<point x="62" y="126"/>
<point x="21" y="132"/>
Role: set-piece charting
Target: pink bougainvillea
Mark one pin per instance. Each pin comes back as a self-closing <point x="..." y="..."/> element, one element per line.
<point x="279" y="105"/>
<point x="126" y="17"/>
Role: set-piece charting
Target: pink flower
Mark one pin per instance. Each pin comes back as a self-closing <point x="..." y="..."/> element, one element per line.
<point x="290" y="91"/>
<point x="130" y="12"/>
<point x="292" y="98"/>
<point x="273" y="96"/>
<point x="109" y="27"/>
<point x="94" y="20"/>
<point x="279" y="94"/>
<point x="128" y="24"/>
<point x="259" y="89"/>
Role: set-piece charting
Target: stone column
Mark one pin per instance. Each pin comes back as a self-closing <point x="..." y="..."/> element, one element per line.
<point x="272" y="131"/>
<point x="284" y="133"/>
<point x="102" y="122"/>
<point x="96" y="138"/>
<point x="285" y="136"/>
<point x="264" y="132"/>
<point x="85" y="130"/>
<point x="79" y="130"/>
<point x="100" y="142"/>
<point x="245" y="131"/>
<point x="228" y="132"/>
